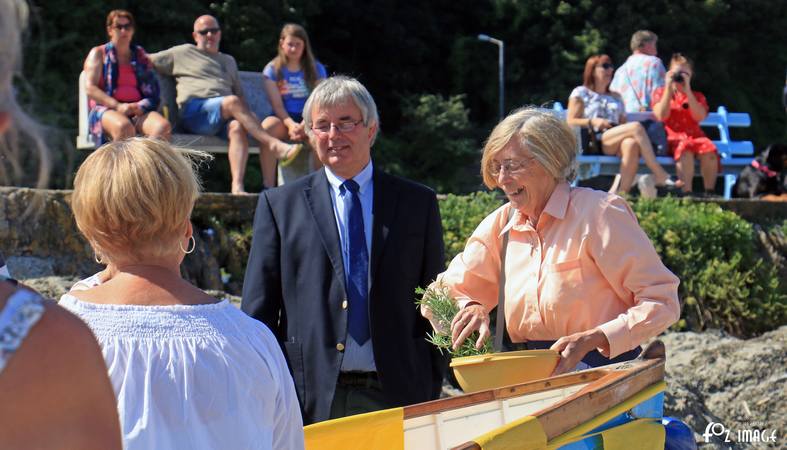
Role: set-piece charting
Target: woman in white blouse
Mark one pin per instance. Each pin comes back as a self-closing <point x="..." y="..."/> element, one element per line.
<point x="602" y="117"/>
<point x="189" y="372"/>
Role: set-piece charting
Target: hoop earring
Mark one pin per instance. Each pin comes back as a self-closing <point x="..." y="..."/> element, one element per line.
<point x="193" y="245"/>
<point x="98" y="258"/>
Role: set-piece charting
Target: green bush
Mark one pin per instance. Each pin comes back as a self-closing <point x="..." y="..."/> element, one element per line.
<point x="434" y="145"/>
<point x="724" y="281"/>
<point x="461" y="215"/>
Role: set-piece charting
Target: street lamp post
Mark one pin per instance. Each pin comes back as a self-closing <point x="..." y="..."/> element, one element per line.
<point x="500" y="62"/>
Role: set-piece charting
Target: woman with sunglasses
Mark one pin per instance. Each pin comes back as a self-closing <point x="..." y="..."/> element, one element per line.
<point x="602" y="117"/>
<point x="122" y="87"/>
<point x="288" y="79"/>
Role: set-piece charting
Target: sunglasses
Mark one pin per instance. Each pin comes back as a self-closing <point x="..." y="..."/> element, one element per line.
<point x="606" y="66"/>
<point x="123" y="26"/>
<point x="209" y="30"/>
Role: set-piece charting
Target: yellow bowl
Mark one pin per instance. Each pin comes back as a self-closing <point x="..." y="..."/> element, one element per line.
<point x="494" y="370"/>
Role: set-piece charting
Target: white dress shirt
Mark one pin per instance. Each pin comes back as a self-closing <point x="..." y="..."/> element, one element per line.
<point x="356" y="357"/>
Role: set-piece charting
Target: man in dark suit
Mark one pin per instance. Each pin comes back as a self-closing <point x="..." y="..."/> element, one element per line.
<point x="335" y="260"/>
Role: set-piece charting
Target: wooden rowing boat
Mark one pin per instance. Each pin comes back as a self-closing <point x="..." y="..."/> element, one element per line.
<point x="607" y="405"/>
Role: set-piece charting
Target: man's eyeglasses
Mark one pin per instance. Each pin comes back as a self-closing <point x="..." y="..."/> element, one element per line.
<point x="123" y="26"/>
<point x="209" y="30"/>
<point x="344" y="127"/>
<point x="607" y="66"/>
<point x="512" y="166"/>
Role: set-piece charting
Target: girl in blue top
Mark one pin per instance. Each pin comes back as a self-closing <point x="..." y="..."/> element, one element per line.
<point x="289" y="79"/>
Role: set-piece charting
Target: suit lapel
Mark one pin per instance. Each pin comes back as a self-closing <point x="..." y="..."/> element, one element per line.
<point x="318" y="198"/>
<point x="383" y="214"/>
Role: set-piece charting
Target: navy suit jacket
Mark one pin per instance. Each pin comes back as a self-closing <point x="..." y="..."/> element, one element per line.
<point x="295" y="284"/>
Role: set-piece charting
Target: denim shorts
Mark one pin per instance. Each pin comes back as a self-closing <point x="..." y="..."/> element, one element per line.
<point x="203" y="116"/>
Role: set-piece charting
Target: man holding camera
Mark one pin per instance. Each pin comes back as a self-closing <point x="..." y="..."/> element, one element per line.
<point x="641" y="74"/>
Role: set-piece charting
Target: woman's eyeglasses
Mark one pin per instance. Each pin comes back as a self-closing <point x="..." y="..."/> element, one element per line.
<point x="512" y="166"/>
<point x="123" y="26"/>
<point x="607" y="66"/>
<point x="344" y="127"/>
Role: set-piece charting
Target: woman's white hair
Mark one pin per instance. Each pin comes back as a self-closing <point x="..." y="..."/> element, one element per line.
<point x="543" y="133"/>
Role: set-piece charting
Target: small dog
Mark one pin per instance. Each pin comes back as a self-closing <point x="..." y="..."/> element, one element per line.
<point x="765" y="176"/>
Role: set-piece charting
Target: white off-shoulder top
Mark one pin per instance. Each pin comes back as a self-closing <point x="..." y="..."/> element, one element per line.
<point x="195" y="376"/>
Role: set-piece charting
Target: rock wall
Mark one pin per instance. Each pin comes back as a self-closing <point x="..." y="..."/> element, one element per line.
<point x="39" y="238"/>
<point x="713" y="377"/>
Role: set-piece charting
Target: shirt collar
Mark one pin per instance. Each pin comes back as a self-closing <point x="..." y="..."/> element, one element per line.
<point x="556" y="206"/>
<point x="363" y="178"/>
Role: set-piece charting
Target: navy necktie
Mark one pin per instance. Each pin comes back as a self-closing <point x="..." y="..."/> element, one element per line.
<point x="358" y="261"/>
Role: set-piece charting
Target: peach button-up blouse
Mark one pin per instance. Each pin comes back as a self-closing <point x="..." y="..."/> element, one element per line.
<point x="586" y="264"/>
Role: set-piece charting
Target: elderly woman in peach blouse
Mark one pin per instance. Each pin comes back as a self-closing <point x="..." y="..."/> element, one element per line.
<point x="581" y="277"/>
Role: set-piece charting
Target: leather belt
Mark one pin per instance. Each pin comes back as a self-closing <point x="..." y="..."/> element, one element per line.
<point x="359" y="379"/>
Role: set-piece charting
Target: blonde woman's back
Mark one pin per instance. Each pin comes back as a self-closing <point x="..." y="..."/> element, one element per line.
<point x="196" y="376"/>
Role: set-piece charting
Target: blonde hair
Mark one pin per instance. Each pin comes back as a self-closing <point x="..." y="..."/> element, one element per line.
<point x="680" y="58"/>
<point x="133" y="198"/>
<point x="24" y="132"/>
<point x="540" y="131"/>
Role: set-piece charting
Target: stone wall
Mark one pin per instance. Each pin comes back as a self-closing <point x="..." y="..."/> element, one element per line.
<point x="39" y="238"/>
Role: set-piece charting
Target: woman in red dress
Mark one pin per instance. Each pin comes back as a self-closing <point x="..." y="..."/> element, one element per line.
<point x="682" y="110"/>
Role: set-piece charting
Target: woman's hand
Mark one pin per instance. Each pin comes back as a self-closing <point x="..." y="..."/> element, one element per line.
<point x="669" y="83"/>
<point x="599" y="124"/>
<point x="470" y="318"/>
<point x="429" y="315"/>
<point x="687" y="81"/>
<point x="574" y="347"/>
<point x="129" y="109"/>
<point x="125" y="109"/>
<point x="296" y="131"/>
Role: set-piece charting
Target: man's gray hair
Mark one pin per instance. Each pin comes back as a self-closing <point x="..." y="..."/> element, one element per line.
<point x="338" y="90"/>
<point x="642" y="37"/>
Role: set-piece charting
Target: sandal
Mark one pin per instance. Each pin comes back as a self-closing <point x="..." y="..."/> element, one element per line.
<point x="295" y="149"/>
<point x="669" y="183"/>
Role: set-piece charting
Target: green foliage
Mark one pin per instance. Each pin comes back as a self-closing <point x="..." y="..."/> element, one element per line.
<point x="461" y="215"/>
<point x="724" y="283"/>
<point x="434" y="145"/>
<point x="444" y="308"/>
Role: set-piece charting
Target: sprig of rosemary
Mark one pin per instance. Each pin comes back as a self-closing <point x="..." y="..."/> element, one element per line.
<point x="444" y="308"/>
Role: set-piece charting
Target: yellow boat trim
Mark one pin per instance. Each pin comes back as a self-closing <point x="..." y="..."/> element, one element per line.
<point x="580" y="432"/>
<point x="527" y="433"/>
<point x="380" y="430"/>
<point x="642" y="434"/>
<point x="522" y="434"/>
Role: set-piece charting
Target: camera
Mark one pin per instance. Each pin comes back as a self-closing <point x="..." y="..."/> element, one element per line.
<point x="678" y="77"/>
